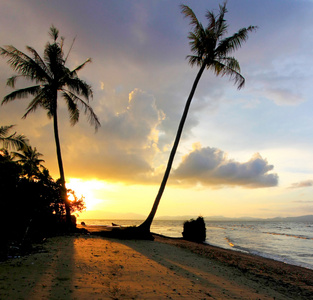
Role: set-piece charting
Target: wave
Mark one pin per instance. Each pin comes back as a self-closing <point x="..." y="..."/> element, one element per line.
<point x="303" y="237"/>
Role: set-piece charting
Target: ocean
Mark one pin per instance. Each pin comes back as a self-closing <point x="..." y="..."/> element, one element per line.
<point x="288" y="242"/>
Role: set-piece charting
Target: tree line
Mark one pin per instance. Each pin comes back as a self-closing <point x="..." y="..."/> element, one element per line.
<point x="31" y="200"/>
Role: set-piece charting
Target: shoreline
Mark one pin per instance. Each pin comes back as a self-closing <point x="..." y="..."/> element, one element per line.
<point x="96" y="228"/>
<point x="271" y="272"/>
<point x="84" y="266"/>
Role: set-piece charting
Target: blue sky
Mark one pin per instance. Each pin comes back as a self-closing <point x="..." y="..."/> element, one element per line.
<point x="247" y="152"/>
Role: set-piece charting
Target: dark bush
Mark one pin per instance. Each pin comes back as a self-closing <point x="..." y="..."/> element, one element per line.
<point x="194" y="230"/>
<point x="31" y="209"/>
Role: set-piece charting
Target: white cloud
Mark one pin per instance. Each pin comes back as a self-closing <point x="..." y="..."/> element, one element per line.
<point x="136" y="126"/>
<point x="211" y="167"/>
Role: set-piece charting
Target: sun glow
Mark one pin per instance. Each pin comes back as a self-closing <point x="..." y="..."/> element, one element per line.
<point x="87" y="189"/>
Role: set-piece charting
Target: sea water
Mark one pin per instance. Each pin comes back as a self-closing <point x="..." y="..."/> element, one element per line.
<point x="289" y="242"/>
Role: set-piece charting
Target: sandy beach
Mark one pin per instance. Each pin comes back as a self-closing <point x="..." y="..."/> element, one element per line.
<point x="92" y="267"/>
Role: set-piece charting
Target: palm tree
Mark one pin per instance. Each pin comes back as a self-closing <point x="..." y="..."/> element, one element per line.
<point x="31" y="162"/>
<point x="51" y="78"/>
<point x="14" y="140"/>
<point x="211" y="51"/>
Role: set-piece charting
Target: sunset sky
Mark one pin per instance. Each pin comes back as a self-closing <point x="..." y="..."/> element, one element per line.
<point x="242" y="153"/>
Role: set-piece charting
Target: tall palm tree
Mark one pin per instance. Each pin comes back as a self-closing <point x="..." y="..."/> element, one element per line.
<point x="31" y="162"/>
<point x="51" y="78"/>
<point x="211" y="51"/>
<point x="14" y="140"/>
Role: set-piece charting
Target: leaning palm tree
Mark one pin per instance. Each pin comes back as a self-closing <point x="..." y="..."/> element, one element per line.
<point x="51" y="78"/>
<point x="211" y="51"/>
<point x="29" y="158"/>
<point x="14" y="140"/>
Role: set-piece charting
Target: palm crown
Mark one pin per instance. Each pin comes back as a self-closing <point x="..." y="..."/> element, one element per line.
<point x="30" y="160"/>
<point x="209" y="46"/>
<point x="51" y="76"/>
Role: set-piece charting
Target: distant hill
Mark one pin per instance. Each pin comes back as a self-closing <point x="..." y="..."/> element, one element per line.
<point x="133" y="216"/>
<point x="178" y="218"/>
<point x="307" y="218"/>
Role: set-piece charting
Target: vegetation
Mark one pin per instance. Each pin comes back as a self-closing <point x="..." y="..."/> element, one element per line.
<point x="211" y="51"/>
<point x="31" y="201"/>
<point x="194" y="230"/>
<point x="30" y="162"/>
<point x="13" y="140"/>
<point x="51" y="77"/>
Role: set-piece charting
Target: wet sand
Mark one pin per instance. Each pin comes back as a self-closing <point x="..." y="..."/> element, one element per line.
<point x="92" y="267"/>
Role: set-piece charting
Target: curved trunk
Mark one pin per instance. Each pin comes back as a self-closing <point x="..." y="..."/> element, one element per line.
<point x="61" y="169"/>
<point x="147" y="223"/>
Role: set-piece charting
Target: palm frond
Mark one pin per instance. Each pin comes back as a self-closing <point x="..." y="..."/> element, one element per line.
<point x="80" y="66"/>
<point x="39" y="101"/>
<point x="11" y="81"/>
<point x="72" y="108"/>
<point x="23" y="64"/>
<point x="4" y="130"/>
<point x="221" y="25"/>
<point x="221" y="69"/>
<point x="17" y="141"/>
<point x="188" y="13"/>
<point x="54" y="32"/>
<point x="194" y="60"/>
<point x="212" y="20"/>
<point x="234" y="42"/>
<point x="18" y="156"/>
<point x="21" y="93"/>
<point x="197" y="37"/>
<point x="79" y="87"/>
<point x="37" y="58"/>
<point x="231" y="63"/>
<point x="91" y="116"/>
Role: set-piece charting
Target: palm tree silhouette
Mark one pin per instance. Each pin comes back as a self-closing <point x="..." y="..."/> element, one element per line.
<point x="51" y="77"/>
<point x="14" y="140"/>
<point x="31" y="162"/>
<point x="211" y="51"/>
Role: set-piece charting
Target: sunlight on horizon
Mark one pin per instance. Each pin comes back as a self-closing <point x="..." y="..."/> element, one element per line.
<point x="88" y="189"/>
<point x="106" y="200"/>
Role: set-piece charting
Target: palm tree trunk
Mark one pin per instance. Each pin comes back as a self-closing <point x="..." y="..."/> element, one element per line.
<point x="61" y="169"/>
<point x="147" y="223"/>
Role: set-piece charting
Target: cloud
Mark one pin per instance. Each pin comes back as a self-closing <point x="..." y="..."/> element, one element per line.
<point x="301" y="184"/>
<point x="284" y="97"/>
<point x="125" y="146"/>
<point x="303" y="201"/>
<point x="136" y="126"/>
<point x="211" y="167"/>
